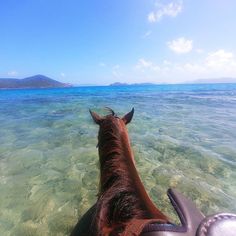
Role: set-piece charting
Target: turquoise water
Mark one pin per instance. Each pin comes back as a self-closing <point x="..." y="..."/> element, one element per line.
<point x="183" y="136"/>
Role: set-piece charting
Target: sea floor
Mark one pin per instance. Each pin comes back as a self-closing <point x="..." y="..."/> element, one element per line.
<point x="182" y="137"/>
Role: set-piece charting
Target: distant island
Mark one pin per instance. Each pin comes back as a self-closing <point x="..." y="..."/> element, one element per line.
<point x="223" y="80"/>
<point x="36" y="81"/>
<point x="135" y="84"/>
<point x="118" y="84"/>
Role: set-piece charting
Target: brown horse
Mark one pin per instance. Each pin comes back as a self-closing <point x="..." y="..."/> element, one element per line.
<point x="122" y="199"/>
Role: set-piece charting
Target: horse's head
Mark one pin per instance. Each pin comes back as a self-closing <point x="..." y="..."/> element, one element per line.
<point x="112" y="118"/>
<point x="112" y="127"/>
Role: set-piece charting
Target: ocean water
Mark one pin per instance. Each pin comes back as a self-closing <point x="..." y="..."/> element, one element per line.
<point x="183" y="136"/>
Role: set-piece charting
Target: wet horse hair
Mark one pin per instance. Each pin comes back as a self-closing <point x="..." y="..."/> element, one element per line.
<point x="122" y="196"/>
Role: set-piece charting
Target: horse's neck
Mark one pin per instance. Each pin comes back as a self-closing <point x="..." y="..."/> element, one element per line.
<point x="125" y="158"/>
<point x="138" y="185"/>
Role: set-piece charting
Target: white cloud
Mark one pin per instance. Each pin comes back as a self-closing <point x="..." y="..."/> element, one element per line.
<point x="63" y="74"/>
<point x="180" y="45"/>
<point x="151" y="17"/>
<point x="116" y="74"/>
<point x="193" y="68"/>
<point x="145" y="64"/>
<point x="116" y="71"/>
<point x="166" y="62"/>
<point x="12" y="73"/>
<point x="116" y="67"/>
<point x="172" y="10"/>
<point x="142" y="63"/>
<point x="147" y="34"/>
<point x="219" y="63"/>
<point x="220" y="59"/>
<point x="102" y="64"/>
<point x="199" y="50"/>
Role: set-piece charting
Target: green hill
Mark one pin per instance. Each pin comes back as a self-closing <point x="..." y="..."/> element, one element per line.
<point x="36" y="81"/>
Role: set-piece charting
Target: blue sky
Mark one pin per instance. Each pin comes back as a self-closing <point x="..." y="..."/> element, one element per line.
<point x="100" y="42"/>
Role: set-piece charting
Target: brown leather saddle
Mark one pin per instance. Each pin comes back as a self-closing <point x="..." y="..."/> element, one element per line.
<point x="193" y="222"/>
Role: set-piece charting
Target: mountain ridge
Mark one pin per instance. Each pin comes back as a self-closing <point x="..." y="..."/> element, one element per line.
<point x="35" y="81"/>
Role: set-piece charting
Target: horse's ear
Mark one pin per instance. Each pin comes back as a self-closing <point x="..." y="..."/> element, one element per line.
<point x="128" y="117"/>
<point x="97" y="119"/>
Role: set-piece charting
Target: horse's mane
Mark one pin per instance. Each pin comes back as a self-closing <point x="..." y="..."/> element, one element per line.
<point x="118" y="201"/>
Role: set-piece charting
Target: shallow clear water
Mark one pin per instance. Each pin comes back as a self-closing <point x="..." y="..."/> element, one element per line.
<point x="183" y="136"/>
